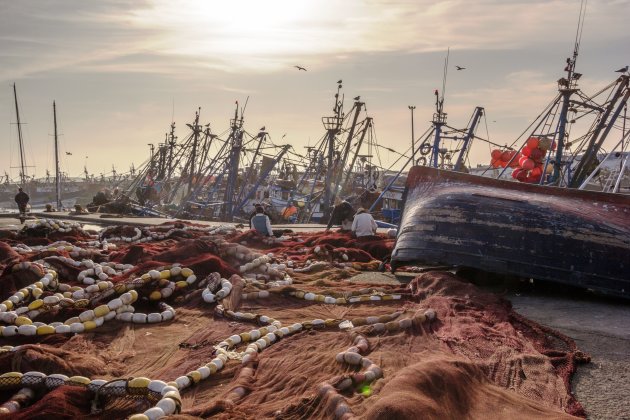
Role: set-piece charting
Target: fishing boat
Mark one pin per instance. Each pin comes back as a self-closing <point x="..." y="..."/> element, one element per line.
<point x="546" y="222"/>
<point x="60" y="189"/>
<point x="209" y="177"/>
<point x="576" y="237"/>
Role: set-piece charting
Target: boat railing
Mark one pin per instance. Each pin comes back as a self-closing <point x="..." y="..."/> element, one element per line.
<point x="332" y="123"/>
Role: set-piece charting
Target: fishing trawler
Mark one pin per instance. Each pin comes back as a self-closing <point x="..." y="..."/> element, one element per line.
<point x="544" y="223"/>
<point x="207" y="177"/>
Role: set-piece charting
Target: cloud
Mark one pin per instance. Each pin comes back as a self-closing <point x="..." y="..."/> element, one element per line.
<point x="120" y="65"/>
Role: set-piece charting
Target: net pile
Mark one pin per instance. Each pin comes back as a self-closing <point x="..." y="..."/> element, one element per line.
<point x="189" y="320"/>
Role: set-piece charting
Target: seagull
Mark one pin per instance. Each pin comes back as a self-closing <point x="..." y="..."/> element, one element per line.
<point x="460" y="68"/>
<point x="622" y="70"/>
<point x="300" y="68"/>
<point x="68" y="153"/>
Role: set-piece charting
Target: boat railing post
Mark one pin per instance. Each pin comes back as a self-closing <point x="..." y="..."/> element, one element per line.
<point x="592" y="175"/>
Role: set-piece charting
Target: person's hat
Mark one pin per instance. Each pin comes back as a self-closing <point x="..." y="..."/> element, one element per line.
<point x="361" y="210"/>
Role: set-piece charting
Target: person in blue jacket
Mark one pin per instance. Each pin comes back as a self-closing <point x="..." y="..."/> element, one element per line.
<point x="260" y="222"/>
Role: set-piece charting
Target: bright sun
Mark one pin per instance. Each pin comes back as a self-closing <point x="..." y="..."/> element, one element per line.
<point x="256" y="28"/>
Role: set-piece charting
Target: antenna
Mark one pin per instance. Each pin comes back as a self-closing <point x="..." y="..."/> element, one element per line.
<point x="244" y="108"/>
<point x="570" y="67"/>
<point x="448" y="53"/>
<point x="173" y="109"/>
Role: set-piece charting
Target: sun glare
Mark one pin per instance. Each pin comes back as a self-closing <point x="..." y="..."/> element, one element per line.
<point x="235" y="28"/>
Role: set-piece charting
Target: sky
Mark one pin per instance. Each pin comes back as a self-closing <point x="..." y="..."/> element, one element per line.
<point x="120" y="71"/>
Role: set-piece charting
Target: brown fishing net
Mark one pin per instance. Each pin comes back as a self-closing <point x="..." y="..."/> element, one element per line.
<point x="476" y="359"/>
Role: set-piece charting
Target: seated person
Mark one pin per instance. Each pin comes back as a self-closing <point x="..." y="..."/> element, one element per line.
<point x="260" y="222"/>
<point x="341" y="215"/>
<point x="290" y="213"/>
<point x="363" y="224"/>
<point x="256" y="208"/>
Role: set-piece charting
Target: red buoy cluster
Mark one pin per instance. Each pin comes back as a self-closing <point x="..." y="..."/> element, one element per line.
<point x="528" y="163"/>
<point x="503" y="158"/>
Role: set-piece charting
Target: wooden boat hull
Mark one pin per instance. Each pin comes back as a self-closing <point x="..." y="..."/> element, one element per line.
<point x="575" y="237"/>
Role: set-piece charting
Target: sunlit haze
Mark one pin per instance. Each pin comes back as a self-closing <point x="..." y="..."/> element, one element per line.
<point x="121" y="71"/>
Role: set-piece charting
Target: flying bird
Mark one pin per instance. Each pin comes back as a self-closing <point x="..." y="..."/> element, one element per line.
<point x="300" y="68"/>
<point x="622" y="70"/>
<point x="460" y="68"/>
<point x="68" y="153"/>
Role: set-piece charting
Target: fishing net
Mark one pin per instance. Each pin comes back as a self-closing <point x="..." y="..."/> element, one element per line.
<point x="201" y="321"/>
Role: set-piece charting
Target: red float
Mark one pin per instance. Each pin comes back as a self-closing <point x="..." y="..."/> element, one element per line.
<point x="536" y="154"/>
<point x="533" y="142"/>
<point x="528" y="165"/>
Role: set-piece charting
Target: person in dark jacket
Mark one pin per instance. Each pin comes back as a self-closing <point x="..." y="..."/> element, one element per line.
<point x="261" y="223"/>
<point x="258" y="207"/>
<point x="21" y="198"/>
<point x="342" y="214"/>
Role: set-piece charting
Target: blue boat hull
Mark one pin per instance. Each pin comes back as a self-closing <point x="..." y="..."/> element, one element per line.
<point x="575" y="237"/>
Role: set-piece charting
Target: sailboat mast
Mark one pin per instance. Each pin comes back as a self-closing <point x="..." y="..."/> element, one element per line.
<point x="57" y="172"/>
<point x="23" y="176"/>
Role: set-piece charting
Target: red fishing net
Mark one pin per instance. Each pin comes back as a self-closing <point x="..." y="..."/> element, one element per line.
<point x="476" y="358"/>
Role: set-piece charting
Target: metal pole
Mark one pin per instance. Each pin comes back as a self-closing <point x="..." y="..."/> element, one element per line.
<point x="413" y="137"/>
<point x="57" y="172"/>
<point x="23" y="176"/>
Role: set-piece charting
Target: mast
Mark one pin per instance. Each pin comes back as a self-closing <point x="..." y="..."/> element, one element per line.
<point x="601" y="131"/>
<point x="193" y="157"/>
<point x="439" y="118"/>
<point x="23" y="175"/>
<point x="57" y="172"/>
<point x="368" y="126"/>
<point x="463" y="153"/>
<point x="236" y="142"/>
<point x="332" y="126"/>
<point x="358" y="105"/>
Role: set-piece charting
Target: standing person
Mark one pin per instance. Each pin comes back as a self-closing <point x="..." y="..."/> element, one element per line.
<point x="260" y="222"/>
<point x="363" y="224"/>
<point x="21" y="198"/>
<point x="341" y="215"/>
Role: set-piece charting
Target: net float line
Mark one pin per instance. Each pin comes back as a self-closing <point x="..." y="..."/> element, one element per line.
<point x="120" y="308"/>
<point x="170" y="402"/>
<point x="20" y="399"/>
<point x="329" y="391"/>
<point x="154" y="234"/>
